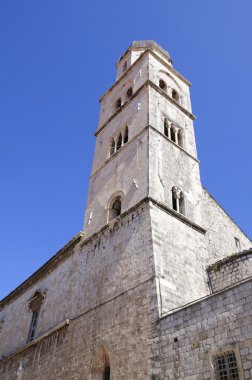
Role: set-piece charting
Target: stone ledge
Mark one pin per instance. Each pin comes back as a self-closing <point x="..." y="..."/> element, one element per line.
<point x="133" y="139"/>
<point x="146" y="200"/>
<point x="155" y="87"/>
<point x="170" y="68"/>
<point x="118" y="151"/>
<point x="179" y="147"/>
<point x="235" y="256"/>
<point x="206" y="298"/>
<point x="178" y="216"/>
<point x="164" y="94"/>
<point x="121" y="108"/>
<point x="37" y="340"/>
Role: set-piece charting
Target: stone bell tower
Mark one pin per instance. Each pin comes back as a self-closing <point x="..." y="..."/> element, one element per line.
<point x="123" y="299"/>
<point x="145" y="150"/>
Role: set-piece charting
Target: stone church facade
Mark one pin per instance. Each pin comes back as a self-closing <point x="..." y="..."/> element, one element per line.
<point x="158" y="284"/>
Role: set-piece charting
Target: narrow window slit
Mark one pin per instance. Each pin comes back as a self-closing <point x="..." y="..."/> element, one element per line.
<point x="126" y="136"/>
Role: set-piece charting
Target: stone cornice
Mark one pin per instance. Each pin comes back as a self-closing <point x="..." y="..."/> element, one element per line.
<point x="177" y="215"/>
<point x="165" y="95"/>
<point x="118" y="151"/>
<point x="133" y="139"/>
<point x="37" y="340"/>
<point x="204" y="299"/>
<point x="218" y="264"/>
<point x="77" y="239"/>
<point x="53" y="262"/>
<point x="156" y="47"/>
<point x="155" y="87"/>
<point x="124" y="75"/>
<point x="107" y="226"/>
<point x="173" y="143"/>
<point x="170" y="68"/>
<point x="145" y="200"/>
<point x="121" y="108"/>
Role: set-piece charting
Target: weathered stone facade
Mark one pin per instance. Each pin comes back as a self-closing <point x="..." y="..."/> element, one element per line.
<point x="230" y="271"/>
<point x="185" y="341"/>
<point x="138" y="294"/>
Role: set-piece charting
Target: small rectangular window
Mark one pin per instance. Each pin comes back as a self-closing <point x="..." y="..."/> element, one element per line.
<point x="237" y="243"/>
<point x="225" y="366"/>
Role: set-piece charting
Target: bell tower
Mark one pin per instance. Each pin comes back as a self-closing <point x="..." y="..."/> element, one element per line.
<point x="145" y="145"/>
<point x="145" y="151"/>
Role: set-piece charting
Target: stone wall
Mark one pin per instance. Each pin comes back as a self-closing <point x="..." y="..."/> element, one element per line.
<point x="180" y="259"/>
<point x="119" y="173"/>
<point x="115" y="333"/>
<point x="102" y="268"/>
<point x="230" y="270"/>
<point x="170" y="166"/>
<point x="136" y="76"/>
<point x="221" y="230"/>
<point x="184" y="342"/>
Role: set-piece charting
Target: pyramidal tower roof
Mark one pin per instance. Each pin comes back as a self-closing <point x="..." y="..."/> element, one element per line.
<point x="146" y="44"/>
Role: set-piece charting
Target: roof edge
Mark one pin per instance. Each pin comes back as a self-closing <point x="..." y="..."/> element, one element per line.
<point x="54" y="260"/>
<point x="211" y="196"/>
<point x="146" y="44"/>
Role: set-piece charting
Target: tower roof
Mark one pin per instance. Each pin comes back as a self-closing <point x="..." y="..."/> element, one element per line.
<point x="146" y="44"/>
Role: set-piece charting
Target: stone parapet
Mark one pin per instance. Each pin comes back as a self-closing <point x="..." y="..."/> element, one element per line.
<point x="230" y="270"/>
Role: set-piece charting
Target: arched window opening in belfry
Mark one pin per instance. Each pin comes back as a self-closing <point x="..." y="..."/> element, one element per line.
<point x="166" y="128"/>
<point x="162" y="84"/>
<point x="116" y="207"/>
<point x="174" y="202"/>
<point x="178" y="200"/>
<point x="180" y="138"/>
<point x="106" y="375"/>
<point x="126" y="135"/>
<point x="173" y="133"/>
<point x="182" y="204"/>
<point x="118" y="103"/>
<point x="129" y="92"/>
<point x="112" y="147"/>
<point x="175" y="95"/>
<point x="119" y="142"/>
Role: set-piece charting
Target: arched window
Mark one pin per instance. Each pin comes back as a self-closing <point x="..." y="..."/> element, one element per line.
<point x="174" y="202"/>
<point x="178" y="200"/>
<point x="112" y="147"/>
<point x="182" y="204"/>
<point x="106" y="375"/>
<point x="126" y="136"/>
<point x="129" y="92"/>
<point x="173" y="134"/>
<point x="125" y="65"/>
<point x="175" y="95"/>
<point x="162" y="84"/>
<point x="118" y="103"/>
<point x="166" y="128"/>
<point x="119" y="142"/>
<point x="180" y="138"/>
<point x="115" y="209"/>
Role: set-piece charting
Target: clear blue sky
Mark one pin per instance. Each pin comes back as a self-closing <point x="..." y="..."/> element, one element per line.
<point x="57" y="57"/>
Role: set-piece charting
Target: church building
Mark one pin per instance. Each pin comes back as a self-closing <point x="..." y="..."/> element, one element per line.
<point x="158" y="285"/>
